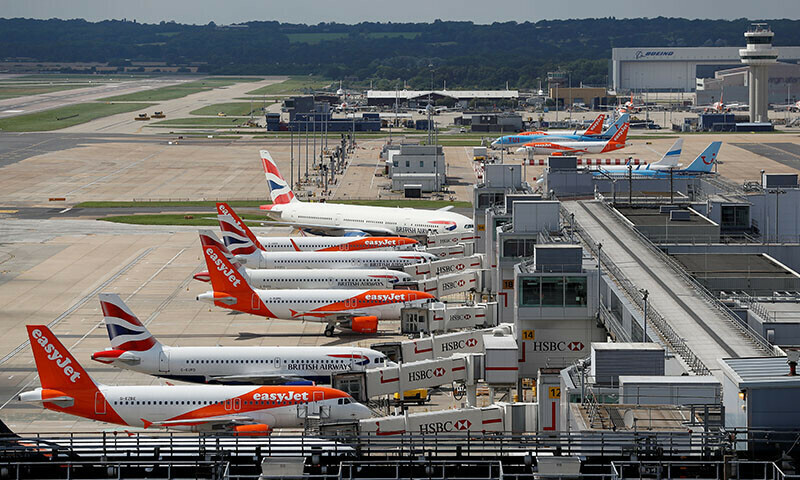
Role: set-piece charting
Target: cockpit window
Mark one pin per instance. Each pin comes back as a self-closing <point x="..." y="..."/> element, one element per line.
<point x="346" y="401"/>
<point x="469" y="226"/>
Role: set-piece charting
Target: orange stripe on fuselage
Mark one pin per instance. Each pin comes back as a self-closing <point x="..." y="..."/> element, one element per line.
<point x="255" y="400"/>
<point x="368" y="243"/>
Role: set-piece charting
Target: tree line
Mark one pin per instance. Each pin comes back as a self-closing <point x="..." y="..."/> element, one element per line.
<point x="390" y="55"/>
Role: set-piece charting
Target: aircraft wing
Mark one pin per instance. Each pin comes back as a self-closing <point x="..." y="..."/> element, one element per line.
<point x="445" y="209"/>
<point x="259" y="379"/>
<point x="189" y="422"/>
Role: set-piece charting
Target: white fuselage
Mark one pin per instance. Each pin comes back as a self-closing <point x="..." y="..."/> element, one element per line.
<point x="359" y="259"/>
<point x="248" y="365"/>
<point x="397" y="221"/>
<point x="268" y="279"/>
<point x="320" y="243"/>
<point x="167" y="403"/>
<point x="329" y="305"/>
<point x="547" y="147"/>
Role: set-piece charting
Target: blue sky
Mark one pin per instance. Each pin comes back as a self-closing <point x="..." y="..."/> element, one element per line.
<point x="354" y="11"/>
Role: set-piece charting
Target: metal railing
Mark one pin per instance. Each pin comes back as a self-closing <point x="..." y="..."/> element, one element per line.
<point x="747" y="331"/>
<point x="667" y="334"/>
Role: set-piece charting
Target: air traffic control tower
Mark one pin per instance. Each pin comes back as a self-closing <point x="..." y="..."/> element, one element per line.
<point x="758" y="55"/>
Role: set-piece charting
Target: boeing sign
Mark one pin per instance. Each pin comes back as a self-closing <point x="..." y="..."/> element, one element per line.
<point x="653" y="53"/>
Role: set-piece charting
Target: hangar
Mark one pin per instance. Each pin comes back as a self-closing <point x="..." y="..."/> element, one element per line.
<point x="676" y="69"/>
<point x="420" y="97"/>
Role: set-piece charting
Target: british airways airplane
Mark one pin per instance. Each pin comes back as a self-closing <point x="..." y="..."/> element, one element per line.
<point x="241" y="410"/>
<point x="339" y="219"/>
<point x="520" y="139"/>
<point x="133" y="347"/>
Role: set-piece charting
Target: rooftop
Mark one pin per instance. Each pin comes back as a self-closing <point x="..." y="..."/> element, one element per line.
<point x="758" y="371"/>
<point x="652" y="216"/>
<point x="732" y="265"/>
<point x="465" y="94"/>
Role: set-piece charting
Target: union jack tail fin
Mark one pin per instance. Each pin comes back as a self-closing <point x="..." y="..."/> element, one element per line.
<point x="239" y="239"/>
<point x="596" y="128"/>
<point x="208" y="239"/>
<point x="58" y="370"/>
<point x="279" y="190"/>
<point x="125" y="330"/>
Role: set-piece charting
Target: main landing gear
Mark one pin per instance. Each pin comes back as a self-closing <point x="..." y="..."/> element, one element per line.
<point x="329" y="330"/>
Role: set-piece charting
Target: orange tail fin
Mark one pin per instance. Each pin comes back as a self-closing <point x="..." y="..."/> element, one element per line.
<point x="57" y="368"/>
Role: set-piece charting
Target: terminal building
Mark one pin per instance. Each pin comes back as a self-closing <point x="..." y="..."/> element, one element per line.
<point x="676" y="69"/>
<point x="415" y="98"/>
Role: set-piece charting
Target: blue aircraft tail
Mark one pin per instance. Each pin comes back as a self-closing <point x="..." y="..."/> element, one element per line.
<point x="624" y="118"/>
<point x="705" y="161"/>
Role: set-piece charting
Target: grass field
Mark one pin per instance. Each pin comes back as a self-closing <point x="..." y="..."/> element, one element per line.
<point x="13" y="91"/>
<point x="241" y="109"/>
<point x="223" y="122"/>
<point x="68" y="116"/>
<point x="202" y="219"/>
<point x="291" y="85"/>
<point x="177" y="91"/>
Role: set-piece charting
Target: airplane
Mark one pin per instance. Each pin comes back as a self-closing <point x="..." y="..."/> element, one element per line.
<point x="699" y="166"/>
<point x="336" y="218"/>
<point x="248" y="253"/>
<point x="573" y="147"/>
<point x="719" y="107"/>
<point x="135" y="348"/>
<point x="628" y="107"/>
<point x="556" y="135"/>
<point x="434" y="110"/>
<point x="267" y="278"/>
<point x="242" y="410"/>
<point x="669" y="160"/>
<point x="792" y="107"/>
<point x="233" y="226"/>
<point x="349" y="309"/>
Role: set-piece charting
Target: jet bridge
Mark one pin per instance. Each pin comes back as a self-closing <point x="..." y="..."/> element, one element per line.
<point x="445" y="317"/>
<point x="497" y="366"/>
<point x="440" y="346"/>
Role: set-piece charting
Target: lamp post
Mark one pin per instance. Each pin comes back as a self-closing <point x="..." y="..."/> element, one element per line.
<point x="645" y="294"/>
<point x="599" y="252"/>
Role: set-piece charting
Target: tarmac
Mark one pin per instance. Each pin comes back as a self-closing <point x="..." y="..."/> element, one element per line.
<point x="55" y="259"/>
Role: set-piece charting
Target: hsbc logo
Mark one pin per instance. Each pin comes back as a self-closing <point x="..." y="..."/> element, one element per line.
<point x="462" y="424"/>
<point x="575" y="346"/>
<point x="416" y="376"/>
<point x="443" y="427"/>
<point x="471" y="342"/>
<point x="461" y="282"/>
<point x="546" y="346"/>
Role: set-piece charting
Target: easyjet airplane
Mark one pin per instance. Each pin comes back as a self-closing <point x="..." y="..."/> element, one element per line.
<point x="594" y="132"/>
<point x="67" y="387"/>
<point x="356" y="310"/>
<point x="338" y="219"/>
<point x="558" y="148"/>
<point x="242" y="243"/>
<point x="232" y="228"/>
<point x="272" y="278"/>
<point x="134" y="348"/>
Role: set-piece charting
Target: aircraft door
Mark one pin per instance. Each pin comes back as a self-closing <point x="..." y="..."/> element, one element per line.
<point x="277" y="364"/>
<point x="357" y="361"/>
<point x="338" y="219"/>
<point x="163" y="361"/>
<point x="99" y="403"/>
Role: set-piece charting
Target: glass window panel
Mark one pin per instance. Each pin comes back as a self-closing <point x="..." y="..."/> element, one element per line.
<point x="529" y="294"/>
<point x="552" y="291"/>
<point x="575" y="292"/>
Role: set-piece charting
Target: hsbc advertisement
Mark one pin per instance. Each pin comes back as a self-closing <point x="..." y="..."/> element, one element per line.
<point x="556" y="347"/>
<point x="432" y="373"/>
<point x="442" y="346"/>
